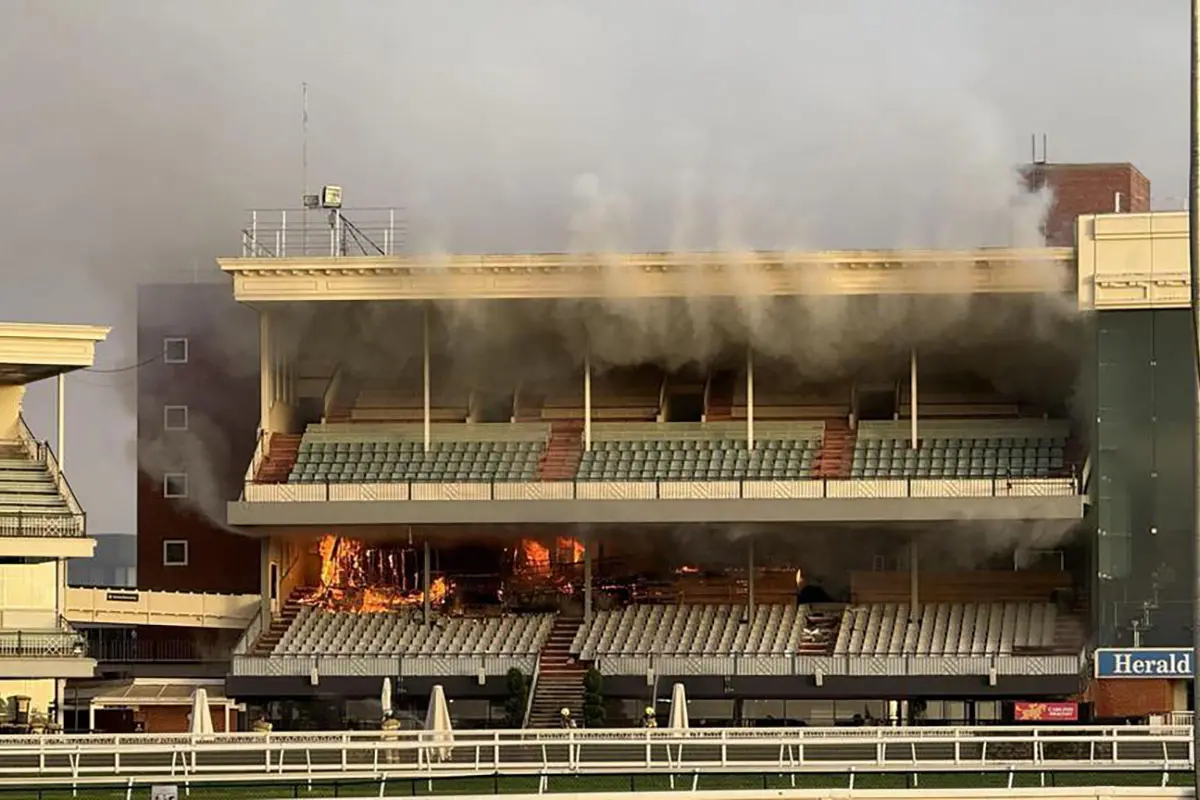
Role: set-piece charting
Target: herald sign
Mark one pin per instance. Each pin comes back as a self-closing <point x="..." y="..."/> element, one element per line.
<point x="1162" y="663"/>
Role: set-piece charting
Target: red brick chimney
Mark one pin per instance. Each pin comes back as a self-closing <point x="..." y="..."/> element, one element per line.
<point x="1085" y="189"/>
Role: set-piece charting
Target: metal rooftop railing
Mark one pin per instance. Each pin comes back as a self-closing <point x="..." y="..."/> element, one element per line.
<point x="323" y="233"/>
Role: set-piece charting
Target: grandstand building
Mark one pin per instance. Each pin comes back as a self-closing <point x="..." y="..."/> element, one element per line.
<point x="929" y="533"/>
<point x="42" y="525"/>
<point x="903" y="537"/>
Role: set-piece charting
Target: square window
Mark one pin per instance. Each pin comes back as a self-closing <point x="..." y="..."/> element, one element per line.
<point x="175" y="484"/>
<point x="175" y="553"/>
<point x="175" y="350"/>
<point x="175" y="418"/>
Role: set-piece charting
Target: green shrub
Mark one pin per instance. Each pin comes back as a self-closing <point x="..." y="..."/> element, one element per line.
<point x="517" y="697"/>
<point x="593" y="699"/>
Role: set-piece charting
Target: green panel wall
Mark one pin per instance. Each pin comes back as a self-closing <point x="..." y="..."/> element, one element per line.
<point x="1142" y="483"/>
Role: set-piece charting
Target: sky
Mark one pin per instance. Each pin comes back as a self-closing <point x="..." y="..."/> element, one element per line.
<point x="134" y="134"/>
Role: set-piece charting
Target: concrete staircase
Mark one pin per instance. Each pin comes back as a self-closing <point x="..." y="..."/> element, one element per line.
<point x="560" y="460"/>
<point x="281" y="455"/>
<point x="837" y="450"/>
<point x="271" y="636"/>
<point x="560" y="678"/>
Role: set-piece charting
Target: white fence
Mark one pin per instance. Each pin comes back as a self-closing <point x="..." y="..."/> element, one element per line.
<point x="810" y="489"/>
<point x="345" y="756"/>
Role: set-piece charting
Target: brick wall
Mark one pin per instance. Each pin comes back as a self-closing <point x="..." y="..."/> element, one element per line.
<point x="174" y="719"/>
<point x="1086" y="189"/>
<point x="1132" y="698"/>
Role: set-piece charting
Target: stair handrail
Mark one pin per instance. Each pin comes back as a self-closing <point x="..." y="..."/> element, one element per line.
<point x="537" y="668"/>
<point x="245" y="644"/>
<point x="261" y="448"/>
<point x="26" y="439"/>
<point x="43" y="454"/>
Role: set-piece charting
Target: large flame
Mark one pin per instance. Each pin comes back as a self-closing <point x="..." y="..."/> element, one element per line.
<point x="355" y="577"/>
<point x="534" y="557"/>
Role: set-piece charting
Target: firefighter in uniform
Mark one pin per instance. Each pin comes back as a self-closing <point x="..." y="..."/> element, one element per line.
<point x="262" y="725"/>
<point x="390" y="726"/>
<point x="649" y="719"/>
<point x="564" y="719"/>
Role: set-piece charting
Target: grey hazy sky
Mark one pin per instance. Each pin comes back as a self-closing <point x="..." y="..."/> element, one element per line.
<point x="133" y="133"/>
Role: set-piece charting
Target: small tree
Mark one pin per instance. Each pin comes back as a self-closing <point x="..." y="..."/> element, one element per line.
<point x="593" y="699"/>
<point x="517" y="688"/>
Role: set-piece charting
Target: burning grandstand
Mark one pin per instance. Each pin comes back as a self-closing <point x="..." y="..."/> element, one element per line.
<point x="864" y="499"/>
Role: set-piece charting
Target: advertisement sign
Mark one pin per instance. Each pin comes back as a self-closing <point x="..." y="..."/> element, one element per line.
<point x="1130" y="662"/>
<point x="1046" y="712"/>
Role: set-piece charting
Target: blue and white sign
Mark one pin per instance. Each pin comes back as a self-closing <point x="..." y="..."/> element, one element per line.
<point x="1132" y="662"/>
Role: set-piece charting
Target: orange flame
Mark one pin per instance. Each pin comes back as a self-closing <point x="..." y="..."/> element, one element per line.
<point x="570" y="551"/>
<point x="355" y="577"/>
<point x="535" y="557"/>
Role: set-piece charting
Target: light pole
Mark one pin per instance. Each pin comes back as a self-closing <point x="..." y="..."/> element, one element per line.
<point x="1194" y="274"/>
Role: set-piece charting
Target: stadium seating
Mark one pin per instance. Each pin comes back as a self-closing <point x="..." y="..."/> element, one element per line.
<point x="700" y="452"/>
<point x="702" y="630"/>
<point x="360" y="453"/>
<point x="316" y="631"/>
<point x="26" y="486"/>
<point x="947" y="629"/>
<point x="961" y="449"/>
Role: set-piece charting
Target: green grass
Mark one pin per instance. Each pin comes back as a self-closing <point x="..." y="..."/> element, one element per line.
<point x="608" y="784"/>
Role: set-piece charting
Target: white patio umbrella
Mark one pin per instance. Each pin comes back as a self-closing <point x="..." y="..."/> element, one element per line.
<point x="201" y="721"/>
<point x="437" y="720"/>
<point x="385" y="696"/>
<point x="679" y="712"/>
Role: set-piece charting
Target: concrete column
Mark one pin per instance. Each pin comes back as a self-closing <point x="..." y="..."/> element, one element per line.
<point x="428" y="392"/>
<point x="61" y="408"/>
<point x="749" y="398"/>
<point x="912" y="400"/>
<point x="587" y="579"/>
<point x="587" y="400"/>
<point x="265" y="371"/>
<point x="91" y="716"/>
<point x="60" y="713"/>
<point x="426" y="585"/>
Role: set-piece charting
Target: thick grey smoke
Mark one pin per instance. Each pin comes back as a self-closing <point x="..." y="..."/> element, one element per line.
<point x="135" y="131"/>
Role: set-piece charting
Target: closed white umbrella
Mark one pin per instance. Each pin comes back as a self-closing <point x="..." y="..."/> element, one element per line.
<point x="679" y="714"/>
<point x="437" y="720"/>
<point x="385" y="696"/>
<point x="201" y="721"/>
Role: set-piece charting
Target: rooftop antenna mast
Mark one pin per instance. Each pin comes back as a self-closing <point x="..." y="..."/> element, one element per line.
<point x="304" y="163"/>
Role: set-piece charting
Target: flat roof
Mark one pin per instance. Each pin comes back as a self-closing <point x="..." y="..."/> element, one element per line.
<point x="31" y="351"/>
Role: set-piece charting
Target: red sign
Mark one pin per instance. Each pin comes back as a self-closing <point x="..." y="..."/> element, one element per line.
<point x="1046" y="712"/>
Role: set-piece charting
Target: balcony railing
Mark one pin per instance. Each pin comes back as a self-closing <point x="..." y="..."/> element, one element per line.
<point x="36" y="524"/>
<point x="809" y="489"/>
<point x="63" y="643"/>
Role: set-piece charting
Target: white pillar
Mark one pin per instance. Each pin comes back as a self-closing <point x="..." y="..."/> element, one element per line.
<point x="61" y="403"/>
<point x="91" y="716"/>
<point x="226" y="717"/>
<point x="60" y="715"/>
<point x="425" y="380"/>
<point x="749" y="398"/>
<point x="587" y="400"/>
<point x="587" y="579"/>
<point x="912" y="400"/>
<point x="266" y="371"/>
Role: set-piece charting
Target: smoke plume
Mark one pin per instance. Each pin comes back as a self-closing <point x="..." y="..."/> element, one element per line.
<point x="136" y="131"/>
